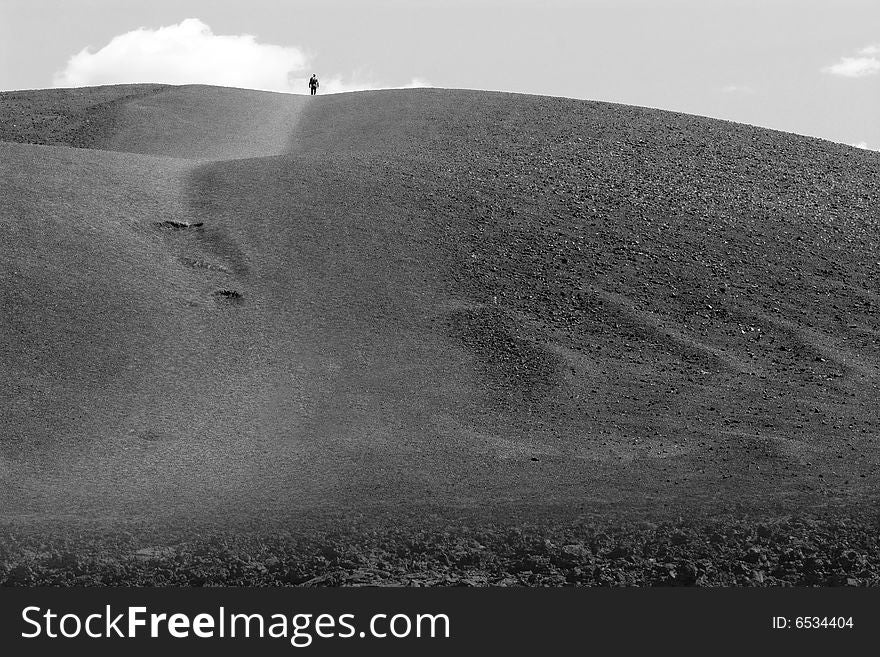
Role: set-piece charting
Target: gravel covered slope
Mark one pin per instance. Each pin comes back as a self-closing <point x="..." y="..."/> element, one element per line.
<point x="693" y="298"/>
<point x="444" y="300"/>
<point x="191" y="122"/>
<point x="67" y="117"/>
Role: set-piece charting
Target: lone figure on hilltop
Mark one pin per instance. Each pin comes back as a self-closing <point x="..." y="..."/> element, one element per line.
<point x="313" y="84"/>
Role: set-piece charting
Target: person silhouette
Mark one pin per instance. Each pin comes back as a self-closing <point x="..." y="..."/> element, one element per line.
<point x="313" y="84"/>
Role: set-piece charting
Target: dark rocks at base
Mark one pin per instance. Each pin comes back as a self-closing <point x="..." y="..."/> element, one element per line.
<point x="811" y="552"/>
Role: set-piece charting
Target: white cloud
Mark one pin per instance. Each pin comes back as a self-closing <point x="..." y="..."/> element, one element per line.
<point x="857" y="67"/>
<point x="861" y="144"/>
<point x="337" y="84"/>
<point x="190" y="53"/>
<point x="737" y="89"/>
<point x="186" y="53"/>
<point x="415" y="83"/>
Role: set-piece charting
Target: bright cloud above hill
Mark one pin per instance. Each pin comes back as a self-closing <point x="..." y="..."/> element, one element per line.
<point x="864" y="146"/>
<point x="737" y="89"/>
<point x="857" y="67"/>
<point x="190" y="53"/>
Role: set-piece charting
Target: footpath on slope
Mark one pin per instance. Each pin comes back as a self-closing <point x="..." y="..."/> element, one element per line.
<point x="112" y="270"/>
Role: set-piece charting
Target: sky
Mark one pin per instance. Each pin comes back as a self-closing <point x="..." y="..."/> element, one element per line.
<point x="806" y="66"/>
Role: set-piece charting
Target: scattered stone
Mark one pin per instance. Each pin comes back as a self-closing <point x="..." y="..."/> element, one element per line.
<point x="229" y="296"/>
<point x="154" y="553"/>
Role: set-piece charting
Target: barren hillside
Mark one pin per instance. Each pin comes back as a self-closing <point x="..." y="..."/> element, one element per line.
<point x="221" y="304"/>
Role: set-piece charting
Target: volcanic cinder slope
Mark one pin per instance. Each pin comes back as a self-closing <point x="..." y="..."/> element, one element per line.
<point x="222" y="304"/>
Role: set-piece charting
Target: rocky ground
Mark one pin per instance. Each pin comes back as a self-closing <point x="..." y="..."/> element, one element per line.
<point x="724" y="551"/>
